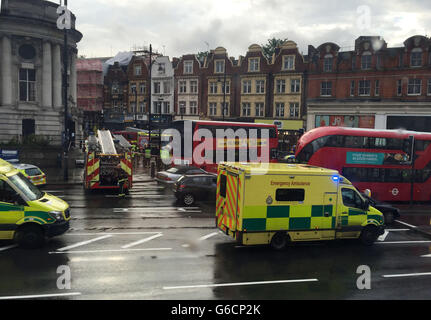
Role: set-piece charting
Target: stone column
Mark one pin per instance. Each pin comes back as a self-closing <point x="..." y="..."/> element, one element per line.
<point x="56" y="77"/>
<point x="6" y="75"/>
<point x="73" y="77"/>
<point x="47" y="76"/>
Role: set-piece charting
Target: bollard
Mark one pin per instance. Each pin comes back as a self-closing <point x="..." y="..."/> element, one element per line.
<point x="153" y="168"/>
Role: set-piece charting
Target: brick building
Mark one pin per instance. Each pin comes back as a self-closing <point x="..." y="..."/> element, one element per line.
<point x="372" y="86"/>
<point x="138" y="88"/>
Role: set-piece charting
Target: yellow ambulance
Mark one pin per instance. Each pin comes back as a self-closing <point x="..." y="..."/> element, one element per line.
<point x="277" y="203"/>
<point x="28" y="215"/>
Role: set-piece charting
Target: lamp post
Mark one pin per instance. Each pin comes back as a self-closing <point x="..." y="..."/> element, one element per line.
<point x="149" y="97"/>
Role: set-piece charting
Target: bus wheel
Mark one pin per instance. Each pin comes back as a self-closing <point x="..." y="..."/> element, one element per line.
<point x="368" y="235"/>
<point x="188" y="199"/>
<point x="279" y="240"/>
<point x="30" y="237"/>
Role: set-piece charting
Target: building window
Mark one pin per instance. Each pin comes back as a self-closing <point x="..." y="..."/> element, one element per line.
<point x="253" y="64"/>
<point x="246" y="109"/>
<point x="157" y="107"/>
<point x="138" y="70"/>
<point x="281" y="86"/>
<point x="259" y="109"/>
<point x="213" y="87"/>
<point x="295" y="86"/>
<point x="133" y="88"/>
<point x="143" y="88"/>
<point x="279" y="109"/>
<point x="294" y="109"/>
<point x="161" y="68"/>
<point x="193" y="107"/>
<point x="183" y="86"/>
<point x="246" y="86"/>
<point x="288" y="62"/>
<point x="166" y="107"/>
<point x="225" y="108"/>
<point x="227" y="87"/>
<point x="416" y="57"/>
<point x="219" y="66"/>
<point x="213" y="109"/>
<point x="377" y="88"/>
<point x="133" y="107"/>
<point x="260" y="86"/>
<point x="429" y="87"/>
<point x="188" y="67"/>
<point x="182" y="107"/>
<point x="193" y="86"/>
<point x="399" y="87"/>
<point x="141" y="107"/>
<point x="352" y="88"/>
<point x="366" y="61"/>
<point x="364" y="87"/>
<point x="166" y="87"/>
<point x="156" y="87"/>
<point x="326" y="89"/>
<point x="414" y="87"/>
<point x="27" y="85"/>
<point x="327" y="63"/>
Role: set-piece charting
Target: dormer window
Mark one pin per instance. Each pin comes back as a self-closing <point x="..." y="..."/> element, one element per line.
<point x="188" y="67"/>
<point x="327" y="63"/>
<point x="366" y="61"/>
<point x="253" y="65"/>
<point x="289" y="62"/>
<point x="219" y="66"/>
<point x="416" y="57"/>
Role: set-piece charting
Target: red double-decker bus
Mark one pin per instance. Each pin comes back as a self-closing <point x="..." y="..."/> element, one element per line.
<point x="249" y="148"/>
<point x="380" y="160"/>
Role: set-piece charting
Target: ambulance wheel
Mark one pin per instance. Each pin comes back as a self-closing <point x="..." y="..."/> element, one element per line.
<point x="368" y="235"/>
<point x="188" y="199"/>
<point x="30" y="237"/>
<point x="279" y="240"/>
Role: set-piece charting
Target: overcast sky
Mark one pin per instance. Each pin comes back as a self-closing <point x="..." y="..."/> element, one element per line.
<point x="188" y="26"/>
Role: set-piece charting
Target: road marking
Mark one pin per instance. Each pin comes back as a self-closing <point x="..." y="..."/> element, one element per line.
<point x="83" y="243"/>
<point x="41" y="296"/>
<point x="404" y="242"/>
<point x="406" y="224"/>
<point x="208" y="236"/>
<point x="383" y="236"/>
<point x="239" y="284"/>
<point x="406" y="275"/>
<point x="426" y="256"/>
<point x="113" y="250"/>
<point x="110" y="233"/>
<point x="8" y="247"/>
<point x="141" y="241"/>
<point x="395" y="230"/>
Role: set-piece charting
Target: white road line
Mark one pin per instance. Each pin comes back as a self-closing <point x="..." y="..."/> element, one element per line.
<point x="396" y="230"/>
<point x="406" y="224"/>
<point x="383" y="236"/>
<point x="8" y="247"/>
<point x="41" y="296"/>
<point x="426" y="256"/>
<point x="406" y="275"/>
<point x="110" y="233"/>
<point x="404" y="242"/>
<point x="208" y="236"/>
<point x="133" y="244"/>
<point x="113" y="250"/>
<point x="83" y="243"/>
<point x="239" y="284"/>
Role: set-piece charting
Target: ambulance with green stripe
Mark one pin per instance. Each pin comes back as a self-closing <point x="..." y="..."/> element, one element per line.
<point x="28" y="215"/>
<point x="277" y="203"/>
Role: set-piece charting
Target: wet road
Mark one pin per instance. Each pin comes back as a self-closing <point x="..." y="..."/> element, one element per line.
<point x="146" y="246"/>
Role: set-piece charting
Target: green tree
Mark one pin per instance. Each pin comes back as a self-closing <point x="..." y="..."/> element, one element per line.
<point x="269" y="47"/>
<point x="202" y="55"/>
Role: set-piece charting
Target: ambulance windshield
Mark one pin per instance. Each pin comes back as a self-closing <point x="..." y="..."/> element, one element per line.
<point x="26" y="187"/>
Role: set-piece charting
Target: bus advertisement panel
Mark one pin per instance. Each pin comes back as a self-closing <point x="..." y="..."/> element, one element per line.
<point x="380" y="160"/>
<point x="206" y="143"/>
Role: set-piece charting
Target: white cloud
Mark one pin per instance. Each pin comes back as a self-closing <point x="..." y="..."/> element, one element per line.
<point x="185" y="26"/>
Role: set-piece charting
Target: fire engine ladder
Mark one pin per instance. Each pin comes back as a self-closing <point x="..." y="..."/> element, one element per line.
<point x="106" y="142"/>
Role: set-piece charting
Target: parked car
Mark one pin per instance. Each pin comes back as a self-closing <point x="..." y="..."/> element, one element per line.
<point x="390" y="213"/>
<point x="191" y="188"/>
<point x="32" y="173"/>
<point x="170" y="176"/>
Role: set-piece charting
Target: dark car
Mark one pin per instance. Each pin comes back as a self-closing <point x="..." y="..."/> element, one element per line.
<point x="191" y="188"/>
<point x="390" y="213"/>
<point x="170" y="176"/>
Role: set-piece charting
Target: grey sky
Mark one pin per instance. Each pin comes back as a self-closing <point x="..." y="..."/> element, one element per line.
<point x="182" y="27"/>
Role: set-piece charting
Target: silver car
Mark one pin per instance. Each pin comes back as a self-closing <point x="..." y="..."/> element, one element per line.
<point x="170" y="176"/>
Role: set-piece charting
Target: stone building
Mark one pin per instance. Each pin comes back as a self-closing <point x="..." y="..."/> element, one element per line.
<point x="31" y="68"/>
